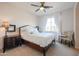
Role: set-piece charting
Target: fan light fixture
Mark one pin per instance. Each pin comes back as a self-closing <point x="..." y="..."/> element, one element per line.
<point x="41" y="8"/>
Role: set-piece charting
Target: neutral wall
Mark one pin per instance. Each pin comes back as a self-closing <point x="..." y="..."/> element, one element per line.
<point x="15" y="15"/>
<point x="43" y="20"/>
<point x="64" y="20"/>
<point x="67" y="18"/>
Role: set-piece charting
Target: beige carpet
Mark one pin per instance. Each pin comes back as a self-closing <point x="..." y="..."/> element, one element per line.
<point x="57" y="50"/>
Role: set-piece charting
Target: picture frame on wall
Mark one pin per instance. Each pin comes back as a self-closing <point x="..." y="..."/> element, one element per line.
<point x="12" y="28"/>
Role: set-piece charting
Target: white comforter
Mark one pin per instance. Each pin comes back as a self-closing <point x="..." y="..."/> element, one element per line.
<point x="41" y="39"/>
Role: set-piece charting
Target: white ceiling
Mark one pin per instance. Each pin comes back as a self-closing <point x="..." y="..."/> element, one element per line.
<point x="57" y="6"/>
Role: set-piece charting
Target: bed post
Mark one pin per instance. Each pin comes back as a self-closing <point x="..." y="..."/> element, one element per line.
<point x="20" y="33"/>
<point x="44" y="52"/>
<point x="4" y="42"/>
<point x="3" y="49"/>
<point x="20" y="29"/>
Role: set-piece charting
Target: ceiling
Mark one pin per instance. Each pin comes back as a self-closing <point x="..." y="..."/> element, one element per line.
<point x="57" y="6"/>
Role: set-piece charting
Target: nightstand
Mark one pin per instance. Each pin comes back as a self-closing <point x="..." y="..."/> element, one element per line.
<point x="12" y="42"/>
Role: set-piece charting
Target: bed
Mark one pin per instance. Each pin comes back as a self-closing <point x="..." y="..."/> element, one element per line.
<point x="40" y="41"/>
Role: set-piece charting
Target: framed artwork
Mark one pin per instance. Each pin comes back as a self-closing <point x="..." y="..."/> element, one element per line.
<point x="12" y="28"/>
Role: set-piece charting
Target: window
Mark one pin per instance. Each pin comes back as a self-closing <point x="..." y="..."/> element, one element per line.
<point x="51" y="25"/>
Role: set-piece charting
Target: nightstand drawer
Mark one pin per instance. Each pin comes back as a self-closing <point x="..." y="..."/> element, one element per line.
<point x="11" y="42"/>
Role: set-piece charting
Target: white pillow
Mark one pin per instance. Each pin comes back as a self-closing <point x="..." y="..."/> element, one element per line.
<point x="30" y="30"/>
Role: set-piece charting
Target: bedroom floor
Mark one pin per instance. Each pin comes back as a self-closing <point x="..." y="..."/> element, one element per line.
<point x="57" y="50"/>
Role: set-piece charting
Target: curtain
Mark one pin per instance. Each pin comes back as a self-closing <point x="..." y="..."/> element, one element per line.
<point x="52" y="24"/>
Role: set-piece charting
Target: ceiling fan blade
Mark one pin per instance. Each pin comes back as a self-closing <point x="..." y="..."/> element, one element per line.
<point x="37" y="10"/>
<point x="35" y="5"/>
<point x="48" y="6"/>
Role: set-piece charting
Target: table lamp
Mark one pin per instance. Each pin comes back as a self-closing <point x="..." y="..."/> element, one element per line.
<point x="5" y="24"/>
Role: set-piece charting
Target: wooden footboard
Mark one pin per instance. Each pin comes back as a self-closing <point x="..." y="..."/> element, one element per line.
<point x="37" y="47"/>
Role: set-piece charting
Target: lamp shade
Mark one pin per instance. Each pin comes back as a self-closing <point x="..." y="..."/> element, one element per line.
<point x="5" y="24"/>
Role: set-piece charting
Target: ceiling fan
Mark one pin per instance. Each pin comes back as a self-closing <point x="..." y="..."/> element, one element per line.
<point x="42" y="7"/>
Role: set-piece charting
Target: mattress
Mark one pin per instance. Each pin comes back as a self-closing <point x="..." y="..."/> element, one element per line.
<point x="41" y="39"/>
